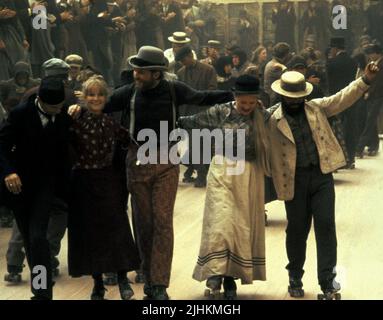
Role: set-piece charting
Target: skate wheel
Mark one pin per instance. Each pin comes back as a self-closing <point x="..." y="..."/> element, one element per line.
<point x="321" y="296"/>
<point x="338" y="296"/>
<point x="207" y="293"/>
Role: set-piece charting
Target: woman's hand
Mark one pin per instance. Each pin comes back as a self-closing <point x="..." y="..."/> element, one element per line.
<point x="13" y="183"/>
<point x="74" y="111"/>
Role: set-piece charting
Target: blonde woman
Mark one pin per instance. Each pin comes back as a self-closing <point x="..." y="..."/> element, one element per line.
<point x="233" y="232"/>
<point x="99" y="234"/>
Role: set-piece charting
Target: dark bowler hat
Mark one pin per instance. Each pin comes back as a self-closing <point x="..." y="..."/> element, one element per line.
<point x="51" y="91"/>
<point x="293" y="85"/>
<point x="337" y="42"/>
<point x="246" y="84"/>
<point x="149" y="58"/>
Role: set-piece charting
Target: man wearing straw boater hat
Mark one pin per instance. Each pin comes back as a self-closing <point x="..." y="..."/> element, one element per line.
<point x="304" y="154"/>
<point x="146" y="103"/>
<point x="178" y="40"/>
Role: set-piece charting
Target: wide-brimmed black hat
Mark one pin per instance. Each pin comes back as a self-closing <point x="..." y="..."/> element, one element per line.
<point x="246" y="84"/>
<point x="338" y="42"/>
<point x="51" y="91"/>
<point x="150" y="58"/>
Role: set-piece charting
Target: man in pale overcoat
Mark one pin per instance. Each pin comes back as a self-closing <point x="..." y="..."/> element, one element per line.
<point x="304" y="153"/>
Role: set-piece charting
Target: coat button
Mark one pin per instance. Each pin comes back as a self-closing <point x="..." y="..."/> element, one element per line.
<point x="322" y="138"/>
<point x="285" y="175"/>
<point x="285" y="185"/>
<point x="284" y="154"/>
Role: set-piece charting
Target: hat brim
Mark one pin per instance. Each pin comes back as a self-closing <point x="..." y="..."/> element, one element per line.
<point x="171" y="39"/>
<point x="239" y="92"/>
<point x="132" y="61"/>
<point x="276" y="87"/>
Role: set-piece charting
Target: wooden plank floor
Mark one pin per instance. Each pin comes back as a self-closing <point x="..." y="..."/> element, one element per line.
<point x="360" y="261"/>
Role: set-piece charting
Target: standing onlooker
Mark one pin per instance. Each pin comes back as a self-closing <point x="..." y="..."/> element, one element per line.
<point x="284" y="19"/>
<point x="172" y="18"/>
<point x="370" y="136"/>
<point x="274" y="69"/>
<point x="13" y="43"/>
<point x="247" y="31"/>
<point x="341" y="70"/>
<point x="199" y="76"/>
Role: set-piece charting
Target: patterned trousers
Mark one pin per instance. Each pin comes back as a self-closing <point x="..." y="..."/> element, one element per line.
<point x="153" y="189"/>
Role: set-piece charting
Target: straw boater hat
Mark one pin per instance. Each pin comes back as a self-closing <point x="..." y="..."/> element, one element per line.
<point x="149" y="58"/>
<point x="293" y="85"/>
<point x="179" y="37"/>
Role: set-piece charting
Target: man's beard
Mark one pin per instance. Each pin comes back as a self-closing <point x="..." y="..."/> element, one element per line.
<point x="293" y="108"/>
<point x="144" y="85"/>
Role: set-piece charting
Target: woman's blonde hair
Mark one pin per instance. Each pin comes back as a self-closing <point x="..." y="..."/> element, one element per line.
<point x="95" y="81"/>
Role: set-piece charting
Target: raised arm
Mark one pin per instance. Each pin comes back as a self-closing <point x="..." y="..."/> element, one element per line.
<point x="210" y="119"/>
<point x="187" y="95"/>
<point x="346" y="97"/>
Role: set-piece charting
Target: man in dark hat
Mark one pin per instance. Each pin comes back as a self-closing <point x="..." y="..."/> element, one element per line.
<point x="341" y="70"/>
<point x="370" y="136"/>
<point x="146" y="103"/>
<point x="199" y="76"/>
<point x="35" y="169"/>
<point x="304" y="154"/>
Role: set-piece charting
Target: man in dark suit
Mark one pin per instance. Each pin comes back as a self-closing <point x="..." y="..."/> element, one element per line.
<point x="341" y="71"/>
<point x="35" y="168"/>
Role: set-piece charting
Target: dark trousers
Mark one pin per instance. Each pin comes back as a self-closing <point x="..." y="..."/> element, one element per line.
<point x="350" y="125"/>
<point x="370" y="134"/>
<point x="32" y="218"/>
<point x="56" y="231"/>
<point x="314" y="198"/>
<point x="153" y="190"/>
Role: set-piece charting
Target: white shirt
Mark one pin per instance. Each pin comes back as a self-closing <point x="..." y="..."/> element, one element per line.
<point x="44" y="119"/>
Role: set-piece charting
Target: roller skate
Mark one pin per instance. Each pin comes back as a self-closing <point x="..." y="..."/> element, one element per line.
<point x="98" y="292"/>
<point x="331" y="292"/>
<point x="214" y="285"/>
<point x="159" y="293"/>
<point x="110" y="279"/>
<point x="230" y="288"/>
<point x="126" y="291"/>
<point x="148" y="290"/>
<point x="13" y="277"/>
<point x="140" y="278"/>
<point x="188" y="176"/>
<point x="296" y="288"/>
